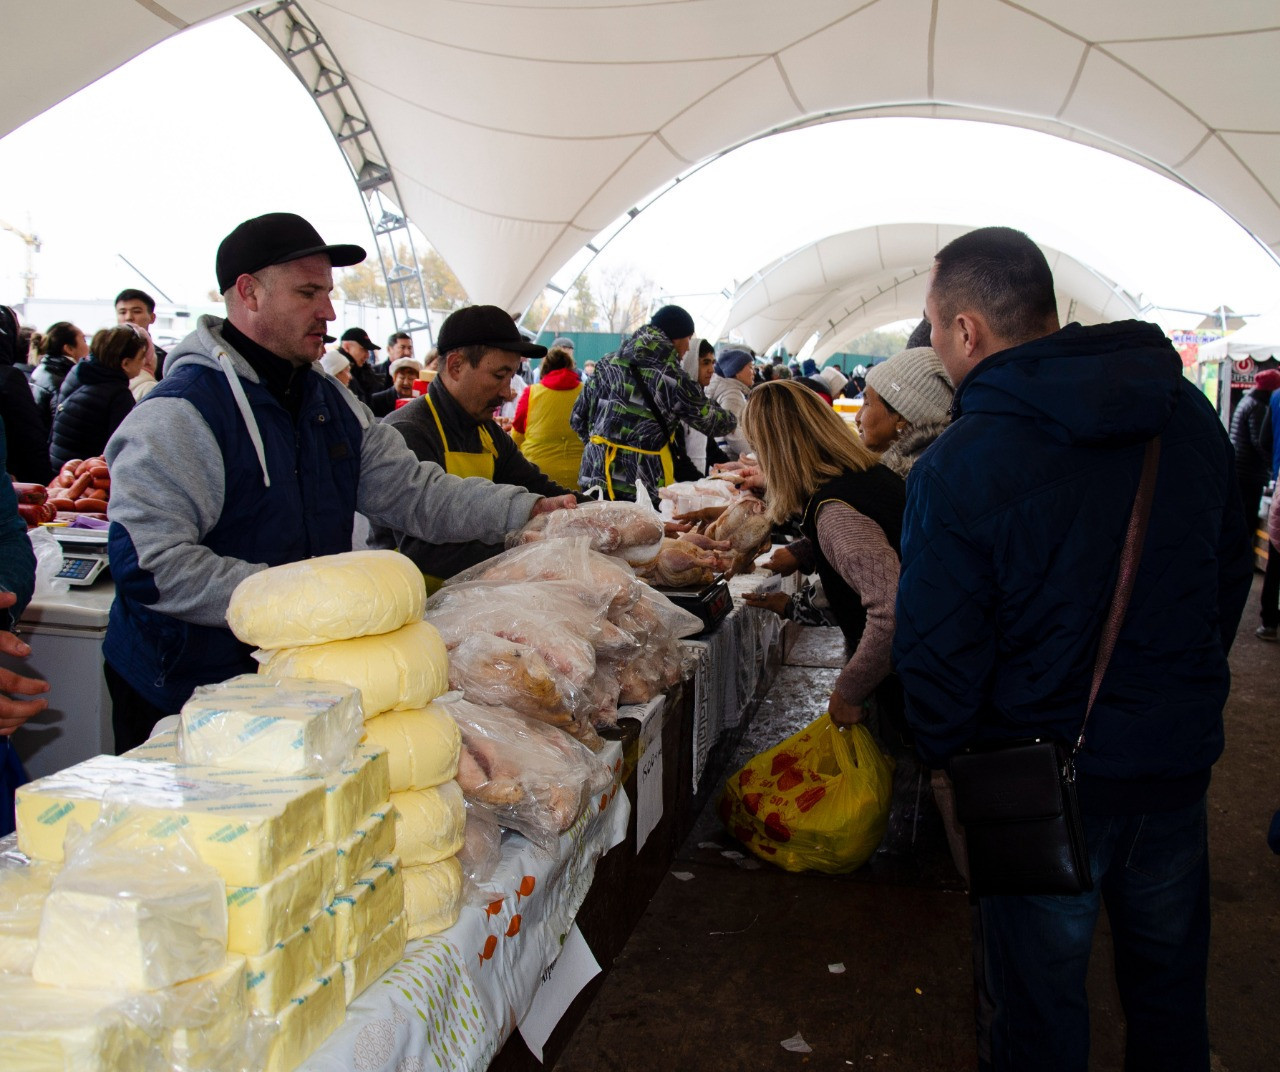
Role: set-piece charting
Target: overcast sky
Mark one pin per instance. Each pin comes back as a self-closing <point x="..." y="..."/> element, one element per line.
<point x="160" y="159"/>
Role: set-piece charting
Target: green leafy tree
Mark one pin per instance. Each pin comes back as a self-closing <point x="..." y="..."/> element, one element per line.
<point x="585" y="312"/>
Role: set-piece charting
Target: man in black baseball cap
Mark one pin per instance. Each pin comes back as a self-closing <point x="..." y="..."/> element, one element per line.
<point x="359" y="348"/>
<point x="246" y="456"/>
<point x="453" y="425"/>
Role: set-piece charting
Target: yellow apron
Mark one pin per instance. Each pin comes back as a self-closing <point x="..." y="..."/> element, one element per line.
<point x="464" y="464"/>
<point x="549" y="440"/>
<point x="611" y="454"/>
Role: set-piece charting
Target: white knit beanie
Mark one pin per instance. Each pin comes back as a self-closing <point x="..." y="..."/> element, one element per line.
<point x="915" y="384"/>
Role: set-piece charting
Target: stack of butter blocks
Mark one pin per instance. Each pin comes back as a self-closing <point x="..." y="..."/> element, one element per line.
<point x="357" y="619"/>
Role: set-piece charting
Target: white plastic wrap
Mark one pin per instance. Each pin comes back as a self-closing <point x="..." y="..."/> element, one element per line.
<point x="481" y="850"/>
<point x="128" y="912"/>
<point x="288" y="725"/>
<point x="561" y="642"/>
<point x="24" y="886"/>
<point x="335" y="597"/>
<point x="532" y="778"/>
<point x="49" y="559"/>
<point x="614" y="528"/>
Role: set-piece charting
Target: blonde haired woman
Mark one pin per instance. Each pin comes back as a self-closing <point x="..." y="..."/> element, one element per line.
<point x="850" y="506"/>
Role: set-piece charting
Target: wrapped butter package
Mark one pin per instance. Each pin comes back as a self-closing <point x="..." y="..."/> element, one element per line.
<point x="373" y="901"/>
<point x="402" y="670"/>
<point x="310" y="1017"/>
<point x="287" y="726"/>
<point x="205" y="1018"/>
<point x="50" y="1029"/>
<point x="432" y="896"/>
<point x="129" y="912"/>
<point x="384" y="949"/>
<point x="258" y="917"/>
<point x="247" y="825"/>
<point x="373" y="840"/>
<point x="432" y="824"/>
<point x="336" y="597"/>
<point x="24" y="886"/>
<point x="361" y="784"/>
<point x="422" y="746"/>
<point x="276" y="975"/>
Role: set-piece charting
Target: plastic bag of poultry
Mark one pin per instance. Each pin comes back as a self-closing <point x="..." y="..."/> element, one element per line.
<point x="689" y="561"/>
<point x="531" y="777"/>
<point x="491" y="670"/>
<point x="563" y="647"/>
<point x="559" y="560"/>
<point x="481" y="850"/>
<point x="630" y="531"/>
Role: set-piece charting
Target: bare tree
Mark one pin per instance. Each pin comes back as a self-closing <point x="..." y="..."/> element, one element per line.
<point x="624" y="296"/>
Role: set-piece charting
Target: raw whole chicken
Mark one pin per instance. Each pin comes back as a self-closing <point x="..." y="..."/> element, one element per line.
<point x="559" y="560"/>
<point x="682" y="563"/>
<point x="612" y="527"/>
<point x="746" y="528"/>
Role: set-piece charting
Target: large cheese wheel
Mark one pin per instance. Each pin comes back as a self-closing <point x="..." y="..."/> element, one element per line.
<point x="361" y="593"/>
<point x="422" y="746"/>
<point x="394" y="671"/>
<point x="432" y="896"/>
<point x="432" y="823"/>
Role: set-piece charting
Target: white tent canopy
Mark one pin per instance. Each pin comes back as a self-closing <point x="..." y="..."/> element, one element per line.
<point x="846" y="284"/>
<point x="518" y="131"/>
<point x="1259" y="339"/>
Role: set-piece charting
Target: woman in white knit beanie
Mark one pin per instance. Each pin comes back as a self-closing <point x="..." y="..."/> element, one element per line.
<point x="906" y="406"/>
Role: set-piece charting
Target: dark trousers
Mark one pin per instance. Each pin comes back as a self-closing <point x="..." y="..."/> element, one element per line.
<point x="132" y="717"/>
<point x="1251" y="492"/>
<point x="1271" y="587"/>
<point x="1152" y="871"/>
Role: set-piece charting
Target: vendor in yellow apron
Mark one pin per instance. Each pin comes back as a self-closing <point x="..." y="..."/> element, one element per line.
<point x="611" y="454"/>
<point x="464" y="464"/>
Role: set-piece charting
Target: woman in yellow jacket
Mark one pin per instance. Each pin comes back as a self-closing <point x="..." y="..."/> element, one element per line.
<point x="541" y="424"/>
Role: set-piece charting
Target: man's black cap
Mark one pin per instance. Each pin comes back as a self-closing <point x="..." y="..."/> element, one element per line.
<point x="276" y="238"/>
<point x="485" y="325"/>
<point x="361" y="336"/>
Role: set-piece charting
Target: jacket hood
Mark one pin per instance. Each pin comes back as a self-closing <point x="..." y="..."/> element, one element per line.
<point x="88" y="372"/>
<point x="725" y="385"/>
<point x="1106" y="384"/>
<point x="561" y="379"/>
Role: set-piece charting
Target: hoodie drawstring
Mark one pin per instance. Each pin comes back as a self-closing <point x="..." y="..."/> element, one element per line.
<point x="242" y="401"/>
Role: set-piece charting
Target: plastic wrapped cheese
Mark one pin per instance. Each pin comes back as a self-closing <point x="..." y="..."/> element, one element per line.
<point x="384" y="949"/>
<point x="276" y="975"/>
<point x="395" y="671"/>
<point x="432" y="896"/>
<point x="204" y="1017"/>
<point x="247" y="825"/>
<point x="422" y="746"/>
<point x="432" y="823"/>
<point x="50" y="1029"/>
<point x="310" y="1017"/>
<point x="371" y="841"/>
<point x="289" y="726"/>
<point x="355" y="789"/>
<point x="373" y="901"/>
<point x="24" y="886"/>
<point x="361" y="593"/>
<point x="260" y="916"/>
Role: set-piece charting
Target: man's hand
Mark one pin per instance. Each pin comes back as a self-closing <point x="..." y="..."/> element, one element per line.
<point x="13" y="713"/>
<point x="778" y="602"/>
<point x="783" y="562"/>
<point x="843" y="713"/>
<point x="560" y="502"/>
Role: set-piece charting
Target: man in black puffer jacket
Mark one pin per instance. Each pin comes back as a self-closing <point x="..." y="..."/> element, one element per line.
<point x="1251" y="435"/>
<point x="1010" y="548"/>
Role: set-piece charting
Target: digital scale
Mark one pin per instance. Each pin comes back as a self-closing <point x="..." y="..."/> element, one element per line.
<point x="710" y="603"/>
<point x="84" y="554"/>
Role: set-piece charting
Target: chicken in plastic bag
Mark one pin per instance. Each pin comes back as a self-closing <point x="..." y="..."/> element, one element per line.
<point x="563" y="648"/>
<point x="624" y="529"/>
<point x="481" y="850"/>
<point x="128" y="911"/>
<point x="531" y="777"/>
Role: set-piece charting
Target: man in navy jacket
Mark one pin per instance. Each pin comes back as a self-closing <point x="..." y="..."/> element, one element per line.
<point x="1010" y="550"/>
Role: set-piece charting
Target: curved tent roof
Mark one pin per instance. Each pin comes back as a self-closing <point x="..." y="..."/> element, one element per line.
<point x="846" y="284"/>
<point x="519" y="130"/>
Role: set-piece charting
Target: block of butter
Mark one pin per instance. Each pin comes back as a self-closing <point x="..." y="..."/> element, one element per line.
<point x="355" y="789"/>
<point x="247" y="825"/>
<point x="276" y="975"/>
<point x="260" y="916"/>
<point x="394" y="671"/>
<point x="373" y="840"/>
<point x="432" y="896"/>
<point x="49" y="1029"/>
<point x="373" y="901"/>
<point x="105" y="928"/>
<point x="23" y="890"/>
<point x="422" y="746"/>
<point x="204" y="1018"/>
<point x="432" y="825"/>
<point x="311" y="1016"/>
<point x="384" y="949"/>
<point x="289" y="726"/>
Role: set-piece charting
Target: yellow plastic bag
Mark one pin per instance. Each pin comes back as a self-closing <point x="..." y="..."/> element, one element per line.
<point x="819" y="801"/>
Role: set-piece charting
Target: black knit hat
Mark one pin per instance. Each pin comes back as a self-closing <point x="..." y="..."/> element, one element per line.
<point x="673" y="322"/>
<point x="276" y="238"/>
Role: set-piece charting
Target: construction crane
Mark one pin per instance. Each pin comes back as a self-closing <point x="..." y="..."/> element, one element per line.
<point x="33" y="247"/>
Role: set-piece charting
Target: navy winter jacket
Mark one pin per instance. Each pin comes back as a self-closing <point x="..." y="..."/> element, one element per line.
<point x="1011" y="542"/>
<point x="93" y="401"/>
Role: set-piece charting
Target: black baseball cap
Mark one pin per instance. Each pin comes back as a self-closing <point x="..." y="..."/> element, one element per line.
<point x="485" y="325"/>
<point x="276" y="238"/>
<point x="361" y="336"/>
